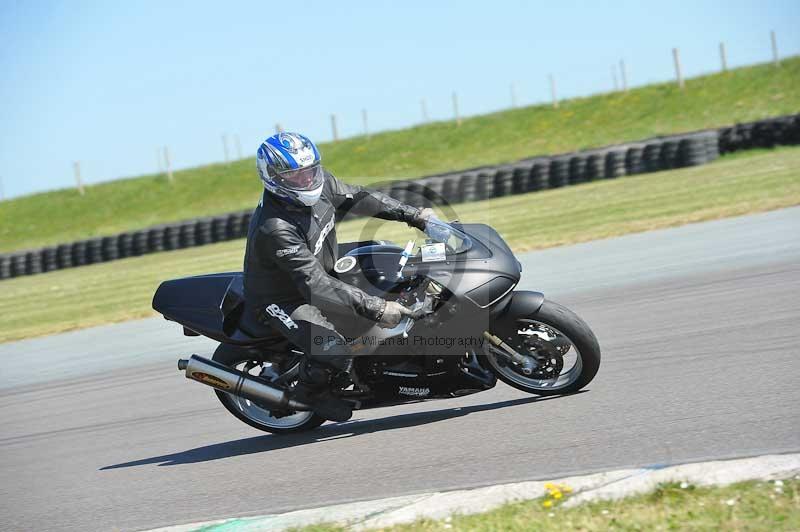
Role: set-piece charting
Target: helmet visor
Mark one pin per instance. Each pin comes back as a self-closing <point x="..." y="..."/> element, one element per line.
<point x="307" y="178"/>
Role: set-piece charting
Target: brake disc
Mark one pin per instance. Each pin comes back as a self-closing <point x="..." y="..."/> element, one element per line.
<point x="548" y="350"/>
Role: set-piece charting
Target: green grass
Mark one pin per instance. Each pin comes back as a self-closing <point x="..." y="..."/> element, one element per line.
<point x="121" y="290"/>
<point x="739" y="95"/>
<point x="743" y="506"/>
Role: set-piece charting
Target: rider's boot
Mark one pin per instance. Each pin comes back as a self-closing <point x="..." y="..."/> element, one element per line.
<point x="313" y="389"/>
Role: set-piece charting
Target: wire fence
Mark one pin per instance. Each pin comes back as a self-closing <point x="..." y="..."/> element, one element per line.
<point x="619" y="79"/>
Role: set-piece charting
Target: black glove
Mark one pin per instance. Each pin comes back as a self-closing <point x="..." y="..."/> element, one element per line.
<point x="421" y="218"/>
<point x="393" y="312"/>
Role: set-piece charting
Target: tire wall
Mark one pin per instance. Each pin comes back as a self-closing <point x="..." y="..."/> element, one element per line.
<point x="529" y="175"/>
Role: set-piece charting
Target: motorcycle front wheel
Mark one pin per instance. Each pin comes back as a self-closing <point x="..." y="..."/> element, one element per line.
<point x="251" y="413"/>
<point x="564" y="350"/>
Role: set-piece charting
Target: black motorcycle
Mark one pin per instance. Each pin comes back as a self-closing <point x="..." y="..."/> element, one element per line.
<point x="469" y="328"/>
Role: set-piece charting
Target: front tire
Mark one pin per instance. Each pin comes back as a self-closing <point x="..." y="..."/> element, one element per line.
<point x="251" y="413"/>
<point x="548" y="329"/>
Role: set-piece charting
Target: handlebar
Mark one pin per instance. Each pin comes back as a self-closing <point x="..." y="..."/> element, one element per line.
<point x="418" y="314"/>
<point x="415" y="315"/>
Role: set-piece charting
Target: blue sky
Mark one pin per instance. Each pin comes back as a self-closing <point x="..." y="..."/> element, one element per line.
<point x="106" y="83"/>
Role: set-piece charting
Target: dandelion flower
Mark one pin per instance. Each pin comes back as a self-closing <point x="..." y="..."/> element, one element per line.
<point x="730" y="502"/>
<point x="778" y="483"/>
<point x="557" y="495"/>
<point x="684" y="485"/>
<point x="547" y="504"/>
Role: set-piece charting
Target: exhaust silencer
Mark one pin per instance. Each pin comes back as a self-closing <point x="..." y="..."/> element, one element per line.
<point x="237" y="383"/>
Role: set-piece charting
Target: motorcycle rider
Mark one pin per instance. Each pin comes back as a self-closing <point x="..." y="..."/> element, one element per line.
<point x="291" y="250"/>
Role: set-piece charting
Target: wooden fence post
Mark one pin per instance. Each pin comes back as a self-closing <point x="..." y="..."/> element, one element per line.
<point x="722" y="57"/>
<point x="553" y="91"/>
<point x="774" y="47"/>
<point x="334" y="129"/>
<point x="677" y="59"/>
<point x="168" y="164"/>
<point x="76" y="166"/>
<point x="455" y="109"/>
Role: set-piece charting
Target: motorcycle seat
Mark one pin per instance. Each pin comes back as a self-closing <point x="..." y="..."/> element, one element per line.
<point x="252" y="327"/>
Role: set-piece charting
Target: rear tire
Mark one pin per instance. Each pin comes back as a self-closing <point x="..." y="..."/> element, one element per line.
<point x="576" y="330"/>
<point x="232" y="357"/>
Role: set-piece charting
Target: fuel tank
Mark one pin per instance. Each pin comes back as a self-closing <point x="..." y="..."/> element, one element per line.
<point x="483" y="273"/>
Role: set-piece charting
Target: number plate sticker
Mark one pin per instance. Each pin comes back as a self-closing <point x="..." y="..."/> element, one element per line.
<point x="433" y="252"/>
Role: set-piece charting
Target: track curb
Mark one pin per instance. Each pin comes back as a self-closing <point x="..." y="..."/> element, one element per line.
<point x="609" y="485"/>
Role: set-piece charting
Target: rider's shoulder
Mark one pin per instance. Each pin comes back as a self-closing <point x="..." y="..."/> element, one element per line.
<point x="276" y="224"/>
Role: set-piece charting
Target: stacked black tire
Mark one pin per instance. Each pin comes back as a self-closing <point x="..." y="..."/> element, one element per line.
<point x="541" y="173"/>
<point x="165" y="237"/>
<point x="780" y="131"/>
<point x="529" y="175"/>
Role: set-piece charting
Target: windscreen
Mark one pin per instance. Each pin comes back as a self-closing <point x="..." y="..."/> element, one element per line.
<point x="455" y="240"/>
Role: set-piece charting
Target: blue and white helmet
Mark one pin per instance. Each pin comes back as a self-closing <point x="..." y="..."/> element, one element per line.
<point x="289" y="166"/>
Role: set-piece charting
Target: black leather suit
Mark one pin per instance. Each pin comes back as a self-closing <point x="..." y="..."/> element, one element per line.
<point x="290" y="252"/>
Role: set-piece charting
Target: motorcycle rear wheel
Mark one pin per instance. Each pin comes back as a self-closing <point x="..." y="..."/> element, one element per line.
<point x="251" y="413"/>
<point x="552" y="325"/>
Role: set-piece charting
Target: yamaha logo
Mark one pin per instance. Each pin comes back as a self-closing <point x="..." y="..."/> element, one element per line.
<point x="414" y="392"/>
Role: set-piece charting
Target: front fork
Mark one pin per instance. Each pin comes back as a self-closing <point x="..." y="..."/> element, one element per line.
<point x="527" y="364"/>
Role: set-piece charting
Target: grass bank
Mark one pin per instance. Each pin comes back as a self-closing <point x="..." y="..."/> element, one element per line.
<point x="742" y="94"/>
<point x="122" y="290"/>
<point x="767" y="506"/>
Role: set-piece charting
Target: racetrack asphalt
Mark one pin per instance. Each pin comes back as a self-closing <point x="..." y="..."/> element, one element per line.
<point x="698" y="327"/>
